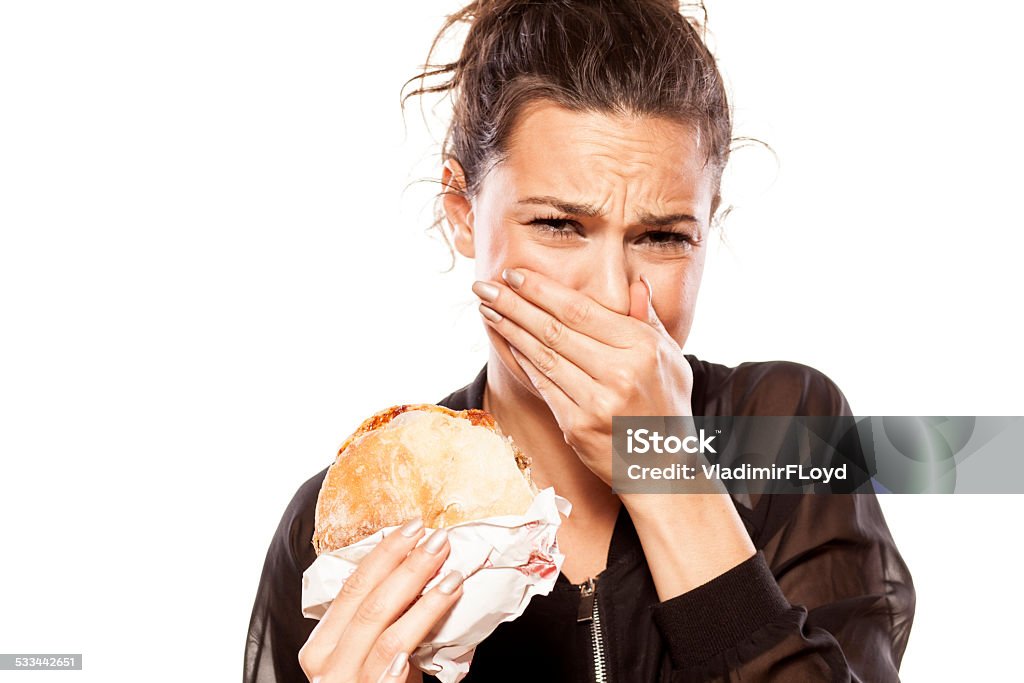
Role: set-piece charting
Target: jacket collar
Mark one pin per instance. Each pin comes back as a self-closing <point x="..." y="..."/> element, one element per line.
<point x="470" y="396"/>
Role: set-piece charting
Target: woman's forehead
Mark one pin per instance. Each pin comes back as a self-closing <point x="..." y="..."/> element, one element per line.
<point x="593" y="152"/>
<point x="547" y="127"/>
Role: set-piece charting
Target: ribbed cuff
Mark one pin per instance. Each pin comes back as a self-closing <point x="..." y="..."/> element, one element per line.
<point x="718" y="615"/>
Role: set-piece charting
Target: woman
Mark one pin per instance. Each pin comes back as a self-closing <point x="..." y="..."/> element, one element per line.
<point x="581" y="173"/>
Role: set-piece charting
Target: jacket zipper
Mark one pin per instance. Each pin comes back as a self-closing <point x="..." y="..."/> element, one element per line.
<point x="588" y="612"/>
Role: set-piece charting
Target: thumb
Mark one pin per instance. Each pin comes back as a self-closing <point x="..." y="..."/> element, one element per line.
<point x="641" y="302"/>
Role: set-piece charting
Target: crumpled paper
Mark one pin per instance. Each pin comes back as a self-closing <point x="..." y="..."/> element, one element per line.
<point x="506" y="561"/>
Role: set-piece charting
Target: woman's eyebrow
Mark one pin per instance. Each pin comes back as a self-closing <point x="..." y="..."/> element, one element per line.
<point x="654" y="221"/>
<point x="584" y="210"/>
<point x="587" y="211"/>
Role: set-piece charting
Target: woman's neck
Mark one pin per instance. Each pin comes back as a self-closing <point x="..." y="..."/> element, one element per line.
<point x="528" y="419"/>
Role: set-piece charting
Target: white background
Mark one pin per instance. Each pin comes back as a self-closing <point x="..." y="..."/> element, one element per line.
<point x="212" y="267"/>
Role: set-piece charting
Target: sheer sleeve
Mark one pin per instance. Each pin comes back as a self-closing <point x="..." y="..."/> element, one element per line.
<point x="829" y="600"/>
<point x="827" y="596"/>
<point x="277" y="629"/>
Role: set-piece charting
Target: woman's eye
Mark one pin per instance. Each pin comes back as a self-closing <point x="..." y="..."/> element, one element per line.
<point x="667" y="239"/>
<point x="565" y="228"/>
<point x="558" y="227"/>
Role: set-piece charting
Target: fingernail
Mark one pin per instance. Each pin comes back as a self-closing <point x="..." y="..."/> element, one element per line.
<point x="485" y="290"/>
<point x="513" y="278"/>
<point x="412" y="527"/>
<point x="650" y="290"/>
<point x="436" y="541"/>
<point x="490" y="313"/>
<point x="398" y="664"/>
<point x="450" y="583"/>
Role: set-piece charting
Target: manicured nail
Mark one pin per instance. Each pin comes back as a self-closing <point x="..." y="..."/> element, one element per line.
<point x="650" y="290"/>
<point x="398" y="664"/>
<point x="485" y="290"/>
<point x="412" y="527"/>
<point x="513" y="278"/>
<point x="436" y="541"/>
<point x="450" y="583"/>
<point x="490" y="313"/>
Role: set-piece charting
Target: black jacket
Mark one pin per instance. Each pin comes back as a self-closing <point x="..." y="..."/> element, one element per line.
<point x="827" y="597"/>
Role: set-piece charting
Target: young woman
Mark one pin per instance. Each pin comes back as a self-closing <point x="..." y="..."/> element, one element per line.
<point x="581" y="173"/>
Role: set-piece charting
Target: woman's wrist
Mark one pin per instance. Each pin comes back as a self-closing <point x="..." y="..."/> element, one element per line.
<point x="688" y="539"/>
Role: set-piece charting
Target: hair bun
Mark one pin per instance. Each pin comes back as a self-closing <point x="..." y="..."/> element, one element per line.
<point x="645" y="57"/>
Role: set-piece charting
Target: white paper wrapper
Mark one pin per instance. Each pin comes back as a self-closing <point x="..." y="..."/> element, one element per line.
<point x="506" y="561"/>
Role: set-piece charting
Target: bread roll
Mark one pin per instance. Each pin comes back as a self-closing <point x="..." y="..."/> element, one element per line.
<point x="420" y="460"/>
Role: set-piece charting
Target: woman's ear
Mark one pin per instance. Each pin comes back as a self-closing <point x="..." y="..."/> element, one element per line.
<point x="457" y="208"/>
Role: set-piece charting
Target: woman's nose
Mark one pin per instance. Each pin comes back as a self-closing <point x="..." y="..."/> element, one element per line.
<point x="606" y="277"/>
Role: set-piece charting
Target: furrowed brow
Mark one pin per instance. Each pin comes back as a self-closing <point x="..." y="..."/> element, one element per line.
<point x="583" y="210"/>
<point x="653" y="221"/>
<point x="587" y="211"/>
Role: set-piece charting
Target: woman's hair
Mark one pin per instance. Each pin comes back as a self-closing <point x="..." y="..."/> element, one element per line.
<point x="624" y="57"/>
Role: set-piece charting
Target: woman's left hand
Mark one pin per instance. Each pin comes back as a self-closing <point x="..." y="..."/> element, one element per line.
<point x="588" y="362"/>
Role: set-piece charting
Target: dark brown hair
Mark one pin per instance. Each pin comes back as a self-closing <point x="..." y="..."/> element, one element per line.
<point x="627" y="57"/>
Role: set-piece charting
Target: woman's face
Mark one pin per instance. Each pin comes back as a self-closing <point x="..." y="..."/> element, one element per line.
<point x="593" y="201"/>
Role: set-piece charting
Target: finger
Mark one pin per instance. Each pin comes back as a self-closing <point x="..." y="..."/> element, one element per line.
<point x="578" y="385"/>
<point x="650" y="314"/>
<point x="574" y="308"/>
<point x="412" y="628"/>
<point x="583" y="351"/>
<point x="396" y="670"/>
<point x="372" y="570"/>
<point x="562" y="407"/>
<point x="385" y="603"/>
<point x="639" y="300"/>
<point x="641" y="303"/>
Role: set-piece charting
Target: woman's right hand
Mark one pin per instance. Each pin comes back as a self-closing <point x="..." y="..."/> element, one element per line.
<point x="376" y="620"/>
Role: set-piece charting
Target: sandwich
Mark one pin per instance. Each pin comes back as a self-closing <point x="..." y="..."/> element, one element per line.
<point x="420" y="460"/>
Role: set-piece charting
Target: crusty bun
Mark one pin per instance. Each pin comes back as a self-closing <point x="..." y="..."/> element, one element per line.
<point x="420" y="460"/>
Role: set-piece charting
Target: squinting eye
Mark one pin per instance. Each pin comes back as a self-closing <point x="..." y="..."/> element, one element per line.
<point x="667" y="239"/>
<point x="557" y="227"/>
